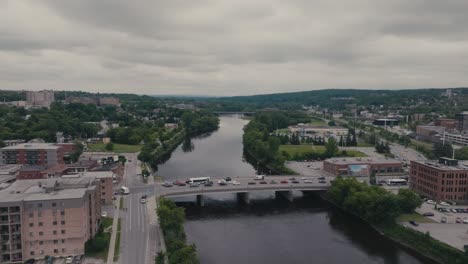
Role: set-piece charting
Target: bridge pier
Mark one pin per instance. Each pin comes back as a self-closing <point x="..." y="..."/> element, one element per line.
<point x="243" y="197"/>
<point x="200" y="200"/>
<point x="288" y="195"/>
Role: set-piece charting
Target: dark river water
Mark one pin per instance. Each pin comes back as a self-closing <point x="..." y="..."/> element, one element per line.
<point x="269" y="230"/>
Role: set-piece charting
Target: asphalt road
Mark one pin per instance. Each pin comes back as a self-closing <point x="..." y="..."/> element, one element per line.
<point x="135" y="227"/>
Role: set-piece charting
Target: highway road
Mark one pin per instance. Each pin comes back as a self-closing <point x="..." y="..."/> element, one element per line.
<point x="135" y="225"/>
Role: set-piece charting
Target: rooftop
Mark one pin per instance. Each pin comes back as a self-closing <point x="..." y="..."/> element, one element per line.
<point x="462" y="165"/>
<point x="32" y="146"/>
<point x="46" y="189"/>
<point x="365" y="160"/>
<point x="90" y="174"/>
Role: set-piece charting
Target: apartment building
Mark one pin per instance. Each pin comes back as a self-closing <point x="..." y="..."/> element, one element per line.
<point x="106" y="179"/>
<point x="39" y="98"/>
<point x="443" y="180"/>
<point x="52" y="217"/>
<point x="32" y="154"/>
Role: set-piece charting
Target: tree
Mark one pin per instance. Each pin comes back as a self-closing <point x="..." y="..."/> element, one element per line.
<point x="110" y="146"/>
<point x="443" y="150"/>
<point x="408" y="200"/>
<point x="331" y="148"/>
<point x="332" y="123"/>
<point x="341" y="142"/>
<point x="462" y="153"/>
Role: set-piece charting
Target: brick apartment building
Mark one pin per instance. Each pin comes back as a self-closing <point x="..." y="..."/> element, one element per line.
<point x="52" y="217"/>
<point x="443" y="180"/>
<point x="32" y="154"/>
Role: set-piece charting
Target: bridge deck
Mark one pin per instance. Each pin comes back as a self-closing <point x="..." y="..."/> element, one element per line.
<point x="244" y="186"/>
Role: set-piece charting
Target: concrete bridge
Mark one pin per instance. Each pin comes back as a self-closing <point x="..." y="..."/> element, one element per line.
<point x="233" y="113"/>
<point x="245" y="186"/>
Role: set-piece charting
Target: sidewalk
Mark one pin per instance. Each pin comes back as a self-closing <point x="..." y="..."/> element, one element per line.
<point x="110" y="255"/>
<point x="156" y="242"/>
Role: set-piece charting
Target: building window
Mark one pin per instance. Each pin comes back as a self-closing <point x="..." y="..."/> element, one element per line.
<point x="31" y="253"/>
<point x="55" y="232"/>
<point x="63" y="241"/>
<point x="63" y="231"/>
<point x="54" y="222"/>
<point x="63" y="250"/>
<point x="55" y="250"/>
<point x="41" y="242"/>
<point x="39" y="205"/>
<point x="62" y="212"/>
<point x="31" y="234"/>
<point x="31" y="224"/>
<point x="54" y="204"/>
<point x="41" y="224"/>
<point x="62" y="222"/>
<point x="41" y="233"/>
<point x="39" y="214"/>
<point x="55" y="241"/>
<point x="31" y="215"/>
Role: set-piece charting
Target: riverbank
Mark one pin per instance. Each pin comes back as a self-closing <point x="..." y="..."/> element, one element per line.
<point x="423" y="244"/>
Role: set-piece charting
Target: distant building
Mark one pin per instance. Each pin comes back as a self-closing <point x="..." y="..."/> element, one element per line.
<point x="462" y="119"/>
<point x="418" y="117"/>
<point x="184" y="106"/>
<point x="60" y="137"/>
<point x="449" y="124"/>
<point x="443" y="180"/>
<point x="439" y="134"/>
<point x="39" y="99"/>
<point x="363" y="167"/>
<point x="51" y="217"/>
<point x="14" y="142"/>
<point x="305" y="130"/>
<point x="386" y="122"/>
<point x="112" y="101"/>
<point x="82" y="100"/>
<point x="171" y="125"/>
<point x="32" y="154"/>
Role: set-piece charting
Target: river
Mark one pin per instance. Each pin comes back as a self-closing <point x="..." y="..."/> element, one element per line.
<point x="268" y="230"/>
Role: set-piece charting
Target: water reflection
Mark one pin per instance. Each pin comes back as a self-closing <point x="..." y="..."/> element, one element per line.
<point x="187" y="145"/>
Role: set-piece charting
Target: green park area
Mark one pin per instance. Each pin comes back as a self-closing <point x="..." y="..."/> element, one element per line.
<point x="414" y="217"/>
<point x="118" y="148"/>
<point x="98" y="247"/>
<point x="299" y="150"/>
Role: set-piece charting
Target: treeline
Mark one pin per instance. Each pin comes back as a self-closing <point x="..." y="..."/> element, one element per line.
<point x="199" y="122"/>
<point x="372" y="203"/>
<point x="171" y="219"/>
<point x="259" y="141"/>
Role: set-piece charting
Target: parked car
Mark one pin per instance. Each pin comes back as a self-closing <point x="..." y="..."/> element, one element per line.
<point x="103" y="214"/>
<point x="182" y="184"/>
<point x="292" y="179"/>
<point x="453" y="210"/>
<point x="443" y="219"/>
<point x="322" y="181"/>
<point x="459" y="210"/>
<point x="235" y="183"/>
<point x="284" y="181"/>
<point x="465" y="220"/>
<point x="412" y="222"/>
<point x="295" y="181"/>
<point x="228" y="179"/>
<point x="428" y="214"/>
<point x="273" y="182"/>
<point x="321" y="178"/>
<point x="69" y="260"/>
<point x="308" y="181"/>
<point x="252" y="183"/>
<point x="443" y="203"/>
<point x="430" y="202"/>
<point x="178" y="182"/>
<point x="143" y="199"/>
<point x="263" y="182"/>
<point x="259" y="177"/>
<point x="458" y="220"/>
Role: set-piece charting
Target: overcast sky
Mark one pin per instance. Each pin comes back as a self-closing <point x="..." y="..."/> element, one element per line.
<point x="232" y="47"/>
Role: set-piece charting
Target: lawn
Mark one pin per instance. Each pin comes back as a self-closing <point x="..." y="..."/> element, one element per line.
<point x="117" y="242"/>
<point x="118" y="148"/>
<point x="317" y="122"/>
<point x="301" y="149"/>
<point x="416" y="217"/>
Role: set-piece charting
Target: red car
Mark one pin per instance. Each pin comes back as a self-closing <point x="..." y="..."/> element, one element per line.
<point x="284" y="181"/>
<point x="179" y="183"/>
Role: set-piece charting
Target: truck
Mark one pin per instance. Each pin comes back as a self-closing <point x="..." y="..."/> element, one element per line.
<point x="124" y="190"/>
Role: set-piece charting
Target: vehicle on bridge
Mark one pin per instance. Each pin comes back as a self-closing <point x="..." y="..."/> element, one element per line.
<point x="259" y="177"/>
<point x="199" y="180"/>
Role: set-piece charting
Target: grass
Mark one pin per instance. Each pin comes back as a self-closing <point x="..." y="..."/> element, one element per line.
<point x="106" y="222"/>
<point x="317" y="122"/>
<point x="117" y="241"/>
<point x="121" y="202"/>
<point x="416" y="217"/>
<point x="281" y="131"/>
<point x="301" y="149"/>
<point x="118" y="148"/>
<point x="364" y="144"/>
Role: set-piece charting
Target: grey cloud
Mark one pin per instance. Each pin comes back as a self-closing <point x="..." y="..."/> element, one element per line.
<point x="231" y="47"/>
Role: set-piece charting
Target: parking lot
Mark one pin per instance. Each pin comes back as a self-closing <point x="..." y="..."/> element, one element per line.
<point x="308" y="168"/>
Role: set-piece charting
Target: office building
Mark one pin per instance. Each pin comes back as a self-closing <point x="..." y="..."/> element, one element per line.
<point x="32" y="154"/>
<point x="462" y="119"/>
<point x="363" y="167"/>
<point x="39" y="98"/>
<point x="443" y="180"/>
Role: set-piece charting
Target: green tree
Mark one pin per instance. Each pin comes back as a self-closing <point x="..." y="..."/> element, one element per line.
<point x="408" y="200"/>
<point x="442" y="150"/>
<point x="110" y="146"/>
<point x="462" y="153"/>
<point x="331" y="148"/>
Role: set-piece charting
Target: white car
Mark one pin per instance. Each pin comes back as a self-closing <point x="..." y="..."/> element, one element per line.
<point x="104" y="214"/>
<point x="142" y="200"/>
<point x="235" y="182"/>
<point x="303" y="178"/>
<point x="69" y="260"/>
<point x="465" y="221"/>
<point x="308" y="181"/>
<point x="444" y="204"/>
<point x="430" y="202"/>
<point x="259" y="177"/>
